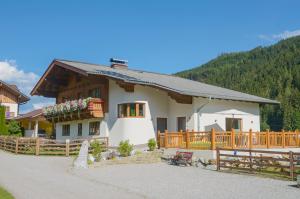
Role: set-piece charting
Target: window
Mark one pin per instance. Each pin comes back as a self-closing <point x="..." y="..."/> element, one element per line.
<point x="7" y="108"/>
<point x="66" y="130"/>
<point x="131" y="110"/>
<point x="233" y="123"/>
<point x="181" y="123"/>
<point x="79" y="130"/>
<point x="94" y="128"/>
<point x="95" y="93"/>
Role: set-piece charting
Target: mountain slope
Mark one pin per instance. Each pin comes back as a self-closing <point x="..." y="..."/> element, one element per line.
<point x="271" y="72"/>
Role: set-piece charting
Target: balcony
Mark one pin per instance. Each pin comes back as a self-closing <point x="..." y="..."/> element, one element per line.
<point x="9" y="115"/>
<point x="75" y="110"/>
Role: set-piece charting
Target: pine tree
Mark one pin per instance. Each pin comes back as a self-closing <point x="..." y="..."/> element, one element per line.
<point x="271" y="72"/>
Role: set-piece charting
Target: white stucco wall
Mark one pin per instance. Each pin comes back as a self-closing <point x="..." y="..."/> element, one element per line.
<point x="201" y="115"/>
<point x="214" y="113"/>
<point x="137" y="130"/>
<point x="179" y="110"/>
<point x="13" y="107"/>
<point x="74" y="129"/>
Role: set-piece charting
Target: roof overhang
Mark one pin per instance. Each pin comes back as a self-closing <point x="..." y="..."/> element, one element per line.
<point x="50" y="68"/>
<point x="22" y="98"/>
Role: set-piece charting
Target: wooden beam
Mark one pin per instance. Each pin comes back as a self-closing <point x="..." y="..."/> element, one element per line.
<point x="126" y="86"/>
<point x="57" y="81"/>
<point x="182" y="99"/>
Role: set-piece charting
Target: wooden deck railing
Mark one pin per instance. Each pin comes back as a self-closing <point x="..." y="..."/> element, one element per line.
<point x="231" y="139"/>
<point x="41" y="146"/>
<point x="259" y="161"/>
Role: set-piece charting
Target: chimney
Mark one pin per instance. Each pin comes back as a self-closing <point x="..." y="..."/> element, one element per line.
<point x="118" y="63"/>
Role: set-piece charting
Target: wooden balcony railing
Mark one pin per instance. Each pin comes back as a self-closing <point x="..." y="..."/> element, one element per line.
<point x="93" y="109"/>
<point x="228" y="139"/>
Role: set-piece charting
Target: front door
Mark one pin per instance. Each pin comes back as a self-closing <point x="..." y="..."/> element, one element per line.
<point x="181" y="124"/>
<point x="161" y="124"/>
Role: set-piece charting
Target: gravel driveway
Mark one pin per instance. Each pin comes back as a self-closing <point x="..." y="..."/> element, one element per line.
<point x="31" y="177"/>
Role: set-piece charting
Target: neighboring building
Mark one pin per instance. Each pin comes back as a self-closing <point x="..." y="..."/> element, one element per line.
<point x="11" y="97"/>
<point x="136" y="104"/>
<point x="35" y="124"/>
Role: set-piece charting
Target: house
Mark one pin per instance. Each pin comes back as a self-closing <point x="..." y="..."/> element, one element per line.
<point x="11" y="97"/>
<point x="35" y="124"/>
<point x="135" y="105"/>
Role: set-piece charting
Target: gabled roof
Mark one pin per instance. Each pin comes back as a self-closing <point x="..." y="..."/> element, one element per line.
<point x="30" y="115"/>
<point x="14" y="89"/>
<point x="163" y="81"/>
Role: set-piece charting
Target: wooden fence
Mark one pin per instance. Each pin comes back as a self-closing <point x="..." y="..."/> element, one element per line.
<point x="259" y="161"/>
<point x="41" y="146"/>
<point x="232" y="139"/>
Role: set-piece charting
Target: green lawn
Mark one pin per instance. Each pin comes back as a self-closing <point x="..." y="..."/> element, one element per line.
<point x="4" y="194"/>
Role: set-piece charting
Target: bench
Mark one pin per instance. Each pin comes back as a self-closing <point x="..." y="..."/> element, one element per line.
<point x="182" y="158"/>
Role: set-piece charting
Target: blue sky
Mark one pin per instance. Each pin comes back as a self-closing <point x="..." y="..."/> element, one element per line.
<point x="161" y="36"/>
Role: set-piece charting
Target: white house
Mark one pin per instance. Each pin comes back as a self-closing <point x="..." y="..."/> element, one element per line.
<point x="11" y="97"/>
<point x="134" y="105"/>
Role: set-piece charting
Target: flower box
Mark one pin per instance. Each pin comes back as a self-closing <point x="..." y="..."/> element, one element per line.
<point x="74" y="110"/>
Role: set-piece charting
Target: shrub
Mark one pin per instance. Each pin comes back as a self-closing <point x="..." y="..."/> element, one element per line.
<point x="125" y="148"/>
<point x="152" y="144"/>
<point x="14" y="128"/>
<point x="96" y="150"/>
<point x="3" y="126"/>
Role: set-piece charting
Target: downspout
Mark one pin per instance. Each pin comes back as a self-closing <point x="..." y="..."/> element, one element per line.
<point x="198" y="112"/>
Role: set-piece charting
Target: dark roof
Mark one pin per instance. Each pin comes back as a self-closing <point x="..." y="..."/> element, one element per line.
<point x="29" y="115"/>
<point x="163" y="81"/>
<point x="14" y="89"/>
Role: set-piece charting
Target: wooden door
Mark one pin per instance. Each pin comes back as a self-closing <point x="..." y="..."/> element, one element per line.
<point x="161" y="124"/>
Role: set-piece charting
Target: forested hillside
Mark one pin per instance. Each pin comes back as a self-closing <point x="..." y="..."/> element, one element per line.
<point x="271" y="72"/>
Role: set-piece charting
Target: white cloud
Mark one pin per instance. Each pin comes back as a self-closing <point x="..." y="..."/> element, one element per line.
<point x="284" y="35"/>
<point x="25" y="81"/>
<point x="39" y="105"/>
<point x="10" y="73"/>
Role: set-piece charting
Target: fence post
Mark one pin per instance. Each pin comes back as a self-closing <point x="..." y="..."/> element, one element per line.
<point x="250" y="161"/>
<point x="180" y="139"/>
<point x="67" y="147"/>
<point x="218" y="158"/>
<point x="213" y="139"/>
<point x="283" y="138"/>
<point x="107" y="143"/>
<point x="250" y="139"/>
<point x="158" y="139"/>
<point x="5" y="143"/>
<point x="268" y="138"/>
<point x="37" y="146"/>
<point x="187" y="139"/>
<point x="166" y="139"/>
<point x="292" y="165"/>
<point x="232" y="139"/>
<point x="17" y="145"/>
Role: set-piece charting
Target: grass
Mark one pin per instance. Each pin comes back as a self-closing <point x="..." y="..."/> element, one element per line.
<point x="4" y="194"/>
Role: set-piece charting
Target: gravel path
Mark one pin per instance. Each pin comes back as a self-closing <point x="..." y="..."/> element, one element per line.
<point x="31" y="177"/>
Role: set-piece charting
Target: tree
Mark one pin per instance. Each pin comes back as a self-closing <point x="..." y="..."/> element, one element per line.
<point x="14" y="128"/>
<point x="3" y="127"/>
<point x="271" y="72"/>
<point x="296" y="120"/>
